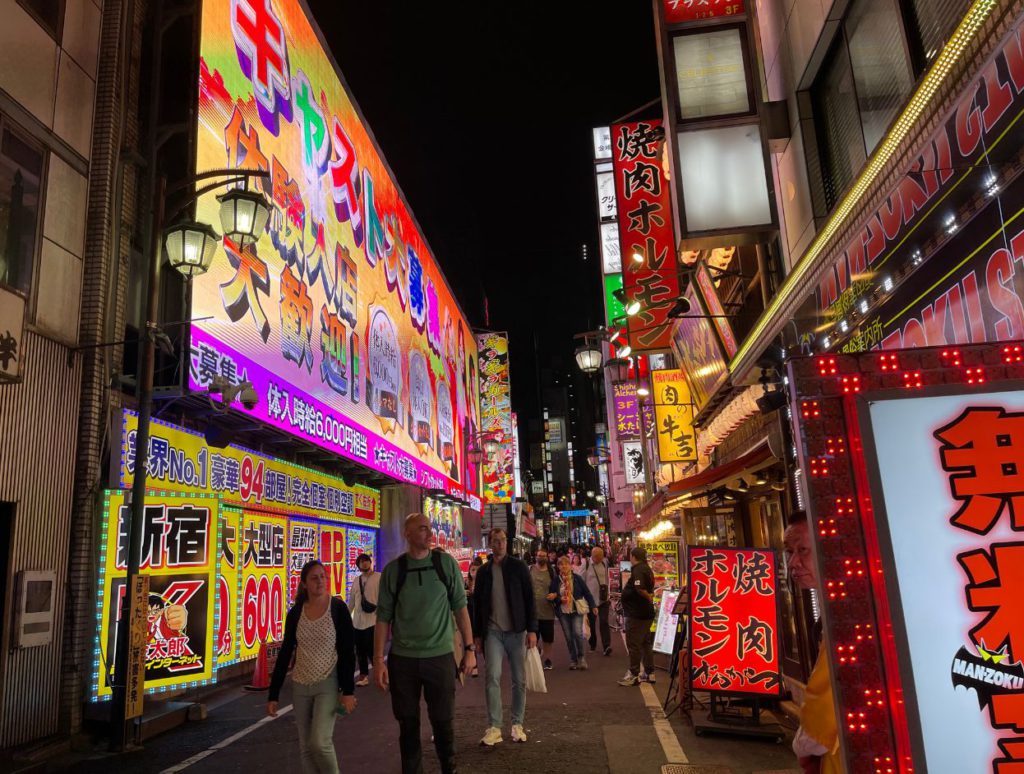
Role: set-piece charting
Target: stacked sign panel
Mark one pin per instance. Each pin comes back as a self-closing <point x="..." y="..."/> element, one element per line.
<point x="339" y="314"/>
<point x="496" y="417"/>
<point x="645" y="229"/>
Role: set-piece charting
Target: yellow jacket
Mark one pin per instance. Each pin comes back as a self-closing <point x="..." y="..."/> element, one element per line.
<point x="818" y="714"/>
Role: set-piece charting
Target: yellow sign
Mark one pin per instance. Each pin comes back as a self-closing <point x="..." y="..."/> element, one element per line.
<point x="180" y="461"/>
<point x="179" y="539"/>
<point x="138" y="643"/>
<point x="229" y="588"/>
<point x="673" y="413"/>
<point x="262" y="550"/>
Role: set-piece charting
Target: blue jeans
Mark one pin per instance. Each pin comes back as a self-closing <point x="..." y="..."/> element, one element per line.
<point x="314" y="715"/>
<point x="498" y="645"/>
<point x="572" y="628"/>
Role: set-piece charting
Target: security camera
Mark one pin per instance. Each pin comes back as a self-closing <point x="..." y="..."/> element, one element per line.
<point x="247" y="395"/>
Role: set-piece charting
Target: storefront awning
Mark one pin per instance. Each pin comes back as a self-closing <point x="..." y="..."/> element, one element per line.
<point x="709" y="478"/>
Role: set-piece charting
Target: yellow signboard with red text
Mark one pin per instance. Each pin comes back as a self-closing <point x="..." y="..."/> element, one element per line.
<point x="673" y="414"/>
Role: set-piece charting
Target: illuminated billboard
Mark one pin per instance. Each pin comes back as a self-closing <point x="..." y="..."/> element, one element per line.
<point x="339" y="314"/>
<point x="496" y="417"/>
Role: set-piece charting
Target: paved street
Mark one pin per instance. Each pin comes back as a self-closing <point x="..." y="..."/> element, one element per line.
<point x="586" y="722"/>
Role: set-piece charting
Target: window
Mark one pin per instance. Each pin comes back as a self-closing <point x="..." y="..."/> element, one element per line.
<point x="21" y="172"/>
<point x="49" y="14"/>
<point x="864" y="82"/>
<point x="932" y="22"/>
<point x="881" y="71"/>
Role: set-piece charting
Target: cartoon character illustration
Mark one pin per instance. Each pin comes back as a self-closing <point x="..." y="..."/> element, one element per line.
<point x="166" y="621"/>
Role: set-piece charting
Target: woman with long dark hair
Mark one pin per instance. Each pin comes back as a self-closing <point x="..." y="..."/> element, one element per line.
<point x="318" y="630"/>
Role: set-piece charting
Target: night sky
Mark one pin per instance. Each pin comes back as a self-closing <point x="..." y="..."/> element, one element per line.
<point x="486" y="121"/>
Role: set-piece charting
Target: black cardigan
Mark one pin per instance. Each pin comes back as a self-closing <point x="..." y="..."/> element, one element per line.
<point x="518" y="592"/>
<point x="344" y="639"/>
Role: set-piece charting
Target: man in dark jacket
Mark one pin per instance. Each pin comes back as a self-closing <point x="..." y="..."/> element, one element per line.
<point x="504" y="608"/>
<point x="638" y="606"/>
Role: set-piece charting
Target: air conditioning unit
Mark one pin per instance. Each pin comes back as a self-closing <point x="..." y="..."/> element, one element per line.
<point x="35" y="601"/>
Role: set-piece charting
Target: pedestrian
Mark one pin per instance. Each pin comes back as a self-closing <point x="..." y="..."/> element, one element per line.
<point x="318" y="631"/>
<point x="638" y="607"/>
<point x="362" y="603"/>
<point x="571" y="589"/>
<point x="505" y="610"/>
<point x="816" y="743"/>
<point x="421" y="594"/>
<point x="474" y="568"/>
<point x="542" y="577"/>
<point x="595" y="574"/>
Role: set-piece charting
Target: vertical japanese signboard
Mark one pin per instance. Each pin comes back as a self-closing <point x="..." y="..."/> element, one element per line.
<point x="496" y="416"/>
<point x="138" y="643"/>
<point x="627" y="410"/>
<point x="303" y="540"/>
<point x="264" y="579"/>
<point x="950" y="472"/>
<point x="673" y="412"/>
<point x="229" y="587"/>
<point x="645" y="227"/>
<point x="334" y="557"/>
<point x="179" y="554"/>
<point x="360" y="541"/>
<point x="734" y="621"/>
<point x="339" y="314"/>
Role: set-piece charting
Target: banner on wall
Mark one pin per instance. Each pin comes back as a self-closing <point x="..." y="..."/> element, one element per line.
<point x="335" y="557"/>
<point x="360" y="541"/>
<point x="496" y="416"/>
<point x="633" y="460"/>
<point x="645" y="227"/>
<point x="734" y="620"/>
<point x="338" y="315"/>
<point x="696" y="346"/>
<point x="229" y="588"/>
<point x="446" y="524"/>
<point x="181" y="461"/>
<point x="663" y="559"/>
<point x="264" y="571"/>
<point x="179" y="550"/>
<point x="673" y="414"/>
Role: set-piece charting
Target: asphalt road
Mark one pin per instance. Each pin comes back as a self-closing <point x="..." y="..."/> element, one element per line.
<point x="586" y="722"/>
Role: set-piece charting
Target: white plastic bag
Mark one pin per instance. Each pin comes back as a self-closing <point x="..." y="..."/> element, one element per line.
<point x="535" y="672"/>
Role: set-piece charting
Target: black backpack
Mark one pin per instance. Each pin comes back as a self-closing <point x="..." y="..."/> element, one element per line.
<point x="403" y="573"/>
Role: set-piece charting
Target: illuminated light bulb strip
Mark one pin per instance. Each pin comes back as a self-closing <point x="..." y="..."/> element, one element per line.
<point x="933" y="79"/>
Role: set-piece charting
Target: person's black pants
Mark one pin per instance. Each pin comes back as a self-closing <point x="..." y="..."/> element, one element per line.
<point x="435" y="678"/>
<point x="640" y="644"/>
<point x="364" y="649"/>
<point x="600" y="615"/>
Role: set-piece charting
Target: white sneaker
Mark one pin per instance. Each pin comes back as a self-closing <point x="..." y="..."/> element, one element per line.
<point x="518" y="735"/>
<point x="362" y="682"/>
<point x="652" y="678"/>
<point x="629" y="679"/>
<point x="493" y="736"/>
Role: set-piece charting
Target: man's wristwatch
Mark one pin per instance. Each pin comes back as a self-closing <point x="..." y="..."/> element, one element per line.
<point x="471" y="648"/>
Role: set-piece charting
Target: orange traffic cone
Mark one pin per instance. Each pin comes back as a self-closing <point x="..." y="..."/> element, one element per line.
<point x="260" y="676"/>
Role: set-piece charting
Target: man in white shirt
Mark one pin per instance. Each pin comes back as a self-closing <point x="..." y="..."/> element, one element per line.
<point x="595" y="573"/>
<point x="362" y="603"/>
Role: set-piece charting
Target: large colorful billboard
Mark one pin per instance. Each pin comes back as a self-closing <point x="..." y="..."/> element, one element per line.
<point x="338" y="315"/>
<point x="645" y="228"/>
<point x="265" y="575"/>
<point x="496" y="416"/>
<point x="734" y="621"/>
<point x="956" y="463"/>
<point x="181" y="461"/>
<point x="179" y="553"/>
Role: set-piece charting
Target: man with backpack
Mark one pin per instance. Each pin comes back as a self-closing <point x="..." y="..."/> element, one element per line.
<point x="362" y="604"/>
<point x="420" y="596"/>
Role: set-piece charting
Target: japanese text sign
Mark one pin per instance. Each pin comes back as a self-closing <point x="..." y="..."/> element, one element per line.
<point x="179" y="551"/>
<point x="679" y="11"/>
<point x="263" y="565"/>
<point x="181" y="461"/>
<point x="339" y="314"/>
<point x="645" y="227"/>
<point x="627" y="410"/>
<point x="496" y="416"/>
<point x="958" y="570"/>
<point x="734" y="621"/>
<point x="673" y="413"/>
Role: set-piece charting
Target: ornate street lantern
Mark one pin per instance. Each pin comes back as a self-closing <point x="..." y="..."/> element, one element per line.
<point x="190" y="247"/>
